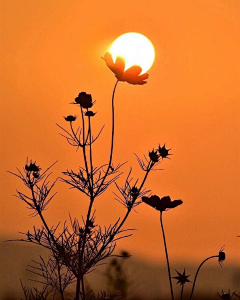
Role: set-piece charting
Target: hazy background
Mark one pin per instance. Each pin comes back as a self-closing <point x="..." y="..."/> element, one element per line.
<point x="51" y="51"/>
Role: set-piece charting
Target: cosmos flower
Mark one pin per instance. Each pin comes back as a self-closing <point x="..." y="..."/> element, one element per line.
<point x="84" y="99"/>
<point x="131" y="75"/>
<point x="90" y="113"/>
<point x="162" y="204"/>
<point x="70" y="118"/>
<point x="182" y="278"/>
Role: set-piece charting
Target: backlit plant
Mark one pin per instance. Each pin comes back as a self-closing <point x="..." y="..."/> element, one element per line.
<point x="75" y="249"/>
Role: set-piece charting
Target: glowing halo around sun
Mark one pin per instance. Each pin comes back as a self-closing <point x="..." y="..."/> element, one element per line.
<point x="135" y="49"/>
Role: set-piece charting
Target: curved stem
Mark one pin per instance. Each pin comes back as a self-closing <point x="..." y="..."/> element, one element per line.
<point x="112" y="141"/>
<point x="168" y="265"/>
<point x="194" y="282"/>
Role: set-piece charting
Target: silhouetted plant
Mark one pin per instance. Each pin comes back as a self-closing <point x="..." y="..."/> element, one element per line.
<point x="163" y="204"/>
<point x="221" y="257"/>
<point x="226" y="296"/>
<point x="182" y="279"/>
<point x="76" y="248"/>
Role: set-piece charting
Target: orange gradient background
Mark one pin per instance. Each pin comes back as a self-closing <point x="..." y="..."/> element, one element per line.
<point x="51" y="51"/>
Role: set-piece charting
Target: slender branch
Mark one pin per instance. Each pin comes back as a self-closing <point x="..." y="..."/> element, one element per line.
<point x="42" y="218"/>
<point x="74" y="134"/>
<point x="59" y="278"/>
<point x="112" y="142"/>
<point x="168" y="265"/>
<point x="194" y="282"/>
<point x="90" y="150"/>
<point x="150" y="166"/>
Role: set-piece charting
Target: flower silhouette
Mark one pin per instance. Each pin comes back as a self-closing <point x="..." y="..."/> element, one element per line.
<point x="70" y="118"/>
<point x="163" y="152"/>
<point x="131" y="75"/>
<point x="84" y="99"/>
<point x="32" y="167"/>
<point x="221" y="256"/>
<point x="90" y="113"/>
<point x="182" y="278"/>
<point x="161" y="204"/>
<point x="154" y="156"/>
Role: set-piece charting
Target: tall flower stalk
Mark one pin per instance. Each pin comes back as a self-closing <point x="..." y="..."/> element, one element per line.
<point x="163" y="204"/>
<point x="166" y="253"/>
<point x="80" y="281"/>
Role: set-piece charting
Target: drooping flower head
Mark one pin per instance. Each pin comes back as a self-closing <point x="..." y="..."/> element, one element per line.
<point x="131" y="75"/>
<point x="161" y="204"/>
<point x="221" y="256"/>
<point x="182" y="278"/>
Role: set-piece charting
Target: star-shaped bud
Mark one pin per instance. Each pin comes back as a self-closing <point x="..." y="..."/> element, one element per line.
<point x="182" y="278"/>
<point x="163" y="152"/>
<point x="154" y="156"/>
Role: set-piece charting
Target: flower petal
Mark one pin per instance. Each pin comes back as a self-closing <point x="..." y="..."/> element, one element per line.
<point x="109" y="61"/>
<point x="119" y="66"/>
<point x="132" y="76"/>
<point x="153" y="201"/>
<point x="175" y="203"/>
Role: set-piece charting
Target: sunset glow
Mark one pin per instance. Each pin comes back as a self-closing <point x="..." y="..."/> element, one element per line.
<point x="135" y="105"/>
<point x="135" y="48"/>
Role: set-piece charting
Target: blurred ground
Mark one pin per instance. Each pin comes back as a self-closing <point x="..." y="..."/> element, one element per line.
<point x="146" y="280"/>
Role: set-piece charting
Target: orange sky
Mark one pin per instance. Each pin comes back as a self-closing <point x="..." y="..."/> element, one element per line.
<point x="51" y="51"/>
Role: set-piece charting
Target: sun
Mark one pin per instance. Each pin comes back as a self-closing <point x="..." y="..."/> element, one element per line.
<point x="135" y="48"/>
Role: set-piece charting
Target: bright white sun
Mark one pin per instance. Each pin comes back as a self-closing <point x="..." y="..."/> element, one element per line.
<point x="135" y="48"/>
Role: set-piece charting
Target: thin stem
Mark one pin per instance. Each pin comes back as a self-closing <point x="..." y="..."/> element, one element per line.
<point x="139" y="190"/>
<point x="182" y="291"/>
<point x="81" y="251"/>
<point x="198" y="271"/>
<point x="74" y="134"/>
<point x="168" y="265"/>
<point x="59" y="279"/>
<point x="42" y="218"/>
<point x="90" y="150"/>
<point x="80" y="262"/>
<point x="150" y="166"/>
<point x="84" y="147"/>
<point x="48" y="230"/>
<point x="112" y="141"/>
